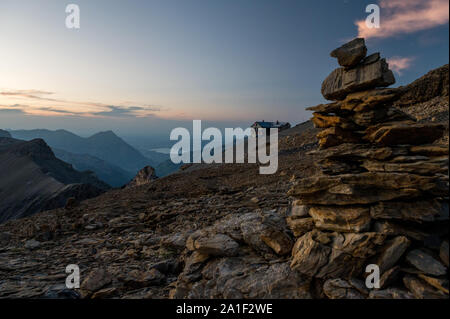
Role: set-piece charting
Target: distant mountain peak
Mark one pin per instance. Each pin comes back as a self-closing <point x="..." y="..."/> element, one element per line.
<point x="105" y="134"/>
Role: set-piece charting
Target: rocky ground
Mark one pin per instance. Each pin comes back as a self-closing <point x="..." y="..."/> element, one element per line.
<point x="208" y="231"/>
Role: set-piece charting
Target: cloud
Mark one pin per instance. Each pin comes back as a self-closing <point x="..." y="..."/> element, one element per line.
<point x="398" y="64"/>
<point x="29" y="94"/>
<point x="11" y="111"/>
<point x="133" y="111"/>
<point x="39" y="103"/>
<point x="406" y="16"/>
<point x="55" y="110"/>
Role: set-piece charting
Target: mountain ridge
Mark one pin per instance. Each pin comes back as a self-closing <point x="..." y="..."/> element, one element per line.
<point x="32" y="179"/>
<point x="105" y="145"/>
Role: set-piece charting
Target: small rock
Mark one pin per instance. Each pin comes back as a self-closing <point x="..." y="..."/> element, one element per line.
<point x="95" y="280"/>
<point x="105" y="293"/>
<point x="340" y="289"/>
<point x="61" y="292"/>
<point x="389" y="276"/>
<point x="137" y="279"/>
<point x="32" y="244"/>
<point x="390" y="293"/>
<point x="217" y="245"/>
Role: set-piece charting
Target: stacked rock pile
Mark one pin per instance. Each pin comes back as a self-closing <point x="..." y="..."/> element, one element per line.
<point x="382" y="197"/>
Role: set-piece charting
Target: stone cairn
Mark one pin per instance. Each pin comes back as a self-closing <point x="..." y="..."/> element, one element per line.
<point x="382" y="197"/>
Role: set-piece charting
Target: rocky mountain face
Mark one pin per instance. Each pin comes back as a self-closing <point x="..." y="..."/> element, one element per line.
<point x="32" y="179"/>
<point x="106" y="146"/>
<point x="369" y="189"/>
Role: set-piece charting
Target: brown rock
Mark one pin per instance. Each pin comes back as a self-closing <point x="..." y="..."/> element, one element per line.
<point x="341" y="82"/>
<point x="362" y="245"/>
<point x="404" y="133"/>
<point x="309" y="255"/>
<point x="335" y="135"/>
<point x="398" y="229"/>
<point x="280" y="242"/>
<point x="96" y="280"/>
<point x="326" y="121"/>
<point x="365" y="188"/>
<point x="334" y="107"/>
<point x="323" y="255"/>
<point x="368" y="100"/>
<point x="389" y="276"/>
<point x="429" y="167"/>
<point x="438" y="283"/>
<point x="417" y="211"/>
<point x="216" y="245"/>
<point x="392" y="252"/>
<point x="137" y="279"/>
<point x="348" y="152"/>
<point x="143" y="177"/>
<point x="429" y="150"/>
<point x="421" y="289"/>
<point x="300" y="226"/>
<point x="390" y="293"/>
<point x="341" y="218"/>
<point x="105" y="293"/>
<point x="340" y="289"/>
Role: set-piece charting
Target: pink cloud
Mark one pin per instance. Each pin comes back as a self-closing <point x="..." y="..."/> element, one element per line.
<point x="398" y="64"/>
<point x="406" y="16"/>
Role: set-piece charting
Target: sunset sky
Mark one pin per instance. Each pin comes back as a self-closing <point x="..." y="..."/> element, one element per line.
<point x="140" y="66"/>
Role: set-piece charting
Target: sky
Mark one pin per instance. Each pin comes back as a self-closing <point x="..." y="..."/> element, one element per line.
<point x="140" y="68"/>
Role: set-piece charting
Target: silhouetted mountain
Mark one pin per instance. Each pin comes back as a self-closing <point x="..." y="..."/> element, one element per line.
<point x="32" y="179"/>
<point x="106" y="146"/>
<point x="109" y="173"/>
<point x="4" y="134"/>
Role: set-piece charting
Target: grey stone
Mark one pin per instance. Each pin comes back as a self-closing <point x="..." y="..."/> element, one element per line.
<point x="341" y="82"/>
<point x="350" y="53"/>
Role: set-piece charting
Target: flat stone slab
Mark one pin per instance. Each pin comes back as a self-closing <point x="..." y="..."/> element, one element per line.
<point x="342" y="82"/>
